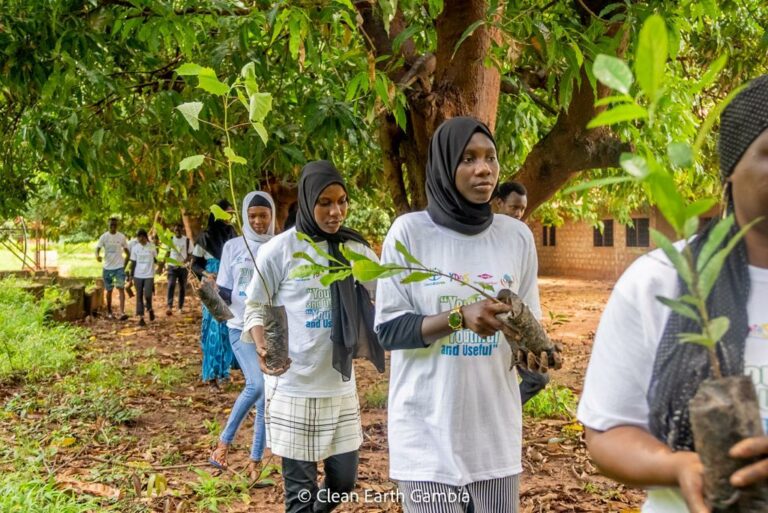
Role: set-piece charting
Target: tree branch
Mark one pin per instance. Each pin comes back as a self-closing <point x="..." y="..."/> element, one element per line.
<point x="509" y="87"/>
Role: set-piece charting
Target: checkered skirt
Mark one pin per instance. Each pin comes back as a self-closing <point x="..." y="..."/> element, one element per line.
<point x="313" y="428"/>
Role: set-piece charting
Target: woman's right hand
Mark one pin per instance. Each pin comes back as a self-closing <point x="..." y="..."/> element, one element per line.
<point x="481" y="318"/>
<point x="689" y="472"/>
<point x="257" y="334"/>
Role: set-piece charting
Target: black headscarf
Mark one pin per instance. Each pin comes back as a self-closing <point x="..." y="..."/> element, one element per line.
<point x="445" y="204"/>
<point x="347" y="306"/>
<point x="216" y="233"/>
<point x="679" y="368"/>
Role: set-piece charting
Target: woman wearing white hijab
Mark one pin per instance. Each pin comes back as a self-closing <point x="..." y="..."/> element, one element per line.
<point x="235" y="273"/>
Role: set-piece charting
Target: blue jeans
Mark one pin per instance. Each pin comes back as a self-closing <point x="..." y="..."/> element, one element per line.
<point x="252" y="394"/>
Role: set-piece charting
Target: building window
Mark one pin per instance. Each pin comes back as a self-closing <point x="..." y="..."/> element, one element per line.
<point x="548" y="235"/>
<point x="637" y="235"/>
<point x="604" y="239"/>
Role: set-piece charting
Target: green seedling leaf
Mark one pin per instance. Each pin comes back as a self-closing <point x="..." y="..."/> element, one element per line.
<point x="712" y="117"/>
<point x="400" y="247"/>
<point x="699" y="207"/>
<point x="416" y="276"/>
<point x="715" y="240"/>
<point x="613" y="72"/>
<point x="664" y="192"/>
<point x="690" y="227"/>
<point x="304" y="256"/>
<point x="484" y="286"/>
<point x="234" y="157"/>
<point x="191" y="112"/>
<point x="651" y="56"/>
<point x="597" y="183"/>
<point x="680" y="308"/>
<point x="711" y="74"/>
<point x="173" y="261"/>
<point x="691" y="300"/>
<point x="619" y="114"/>
<point x="712" y="269"/>
<point x="191" y="163"/>
<point x="680" y="154"/>
<point x="260" y="106"/>
<point x="350" y="255"/>
<point x="306" y="271"/>
<point x="306" y="238"/>
<point x="719" y="327"/>
<point x="697" y="338"/>
<point x="678" y="260"/>
<point x="207" y="81"/>
<point x="220" y="214"/>
<point x="367" y="270"/>
<point x="189" y="69"/>
<point x="329" y="278"/>
<point x="164" y="235"/>
<point x="635" y="165"/>
<point x="259" y="127"/>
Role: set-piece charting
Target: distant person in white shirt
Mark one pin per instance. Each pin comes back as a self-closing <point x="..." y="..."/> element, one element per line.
<point x="115" y="246"/>
<point x="181" y="252"/>
<point x="142" y="265"/>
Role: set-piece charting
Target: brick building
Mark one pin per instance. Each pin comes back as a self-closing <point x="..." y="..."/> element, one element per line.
<point x="579" y="250"/>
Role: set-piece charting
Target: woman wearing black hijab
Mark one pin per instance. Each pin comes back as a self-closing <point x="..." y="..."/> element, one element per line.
<point x="214" y="341"/>
<point x="640" y="377"/>
<point x="455" y="411"/>
<point x="312" y="409"/>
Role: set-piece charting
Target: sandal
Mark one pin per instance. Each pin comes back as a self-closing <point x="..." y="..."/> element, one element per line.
<point x="218" y="458"/>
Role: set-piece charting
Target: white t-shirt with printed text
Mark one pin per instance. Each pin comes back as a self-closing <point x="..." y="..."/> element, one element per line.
<point x="455" y="414"/>
<point x="113" y="245"/>
<point x="235" y="273"/>
<point x="621" y="365"/>
<point x="144" y="256"/>
<point x="180" y="249"/>
<point x="308" y="307"/>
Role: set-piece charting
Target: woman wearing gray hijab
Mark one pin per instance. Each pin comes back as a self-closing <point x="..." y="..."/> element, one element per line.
<point x="235" y="274"/>
<point x="640" y="377"/>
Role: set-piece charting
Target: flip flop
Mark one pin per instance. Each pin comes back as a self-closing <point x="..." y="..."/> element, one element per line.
<point x="216" y="464"/>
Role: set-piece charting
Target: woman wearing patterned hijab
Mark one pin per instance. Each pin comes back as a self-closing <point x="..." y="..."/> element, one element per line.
<point x="455" y="409"/>
<point x="640" y="377"/>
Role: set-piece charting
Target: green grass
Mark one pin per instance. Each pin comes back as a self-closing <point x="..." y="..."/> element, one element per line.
<point x="554" y="402"/>
<point x="22" y="492"/>
<point x="376" y="396"/>
<point x="32" y="348"/>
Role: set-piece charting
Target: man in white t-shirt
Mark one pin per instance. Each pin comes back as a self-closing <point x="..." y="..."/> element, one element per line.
<point x="143" y="256"/>
<point x="115" y="246"/>
<point x="177" y="274"/>
<point x="641" y="377"/>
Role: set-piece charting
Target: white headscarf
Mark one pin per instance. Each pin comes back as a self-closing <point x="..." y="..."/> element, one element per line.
<point x="249" y="232"/>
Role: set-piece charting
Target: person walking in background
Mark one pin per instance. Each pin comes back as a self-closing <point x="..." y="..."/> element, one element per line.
<point x="510" y="198"/>
<point x="142" y="271"/>
<point x="235" y="274"/>
<point x="177" y="273"/>
<point x="214" y="340"/>
<point x="115" y="246"/>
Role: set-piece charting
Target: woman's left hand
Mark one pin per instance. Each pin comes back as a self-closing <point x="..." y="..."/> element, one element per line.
<point x="750" y="448"/>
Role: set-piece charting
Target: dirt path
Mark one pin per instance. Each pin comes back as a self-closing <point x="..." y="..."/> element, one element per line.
<point x="180" y="418"/>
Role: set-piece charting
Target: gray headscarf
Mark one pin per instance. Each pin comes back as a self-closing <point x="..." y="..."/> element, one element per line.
<point x="257" y="198"/>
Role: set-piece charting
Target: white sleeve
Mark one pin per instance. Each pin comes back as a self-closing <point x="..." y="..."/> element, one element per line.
<point x="198" y="251"/>
<point x="529" y="284"/>
<point x="253" y="316"/>
<point x="619" y="369"/>
<point x="125" y="242"/>
<point x="269" y="265"/>
<point x="100" y="242"/>
<point x="225" y="278"/>
<point x="133" y="255"/>
<point x="393" y="298"/>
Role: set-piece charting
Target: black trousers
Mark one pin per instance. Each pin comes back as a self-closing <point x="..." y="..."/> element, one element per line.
<point x="302" y="495"/>
<point x="177" y="274"/>
<point x="144" y="289"/>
